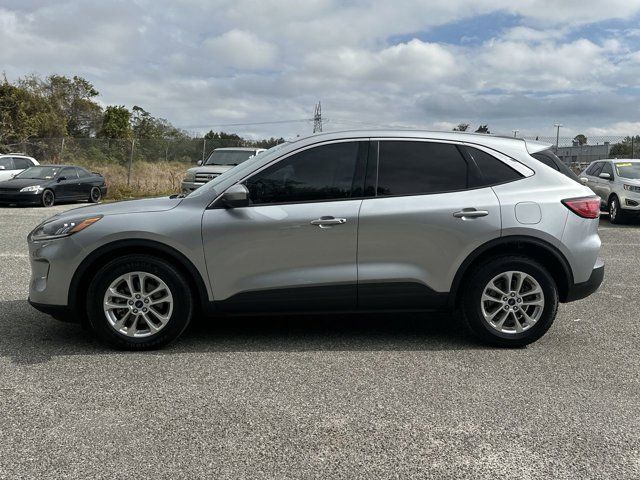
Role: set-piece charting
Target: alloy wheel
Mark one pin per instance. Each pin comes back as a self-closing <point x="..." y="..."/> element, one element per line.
<point x="613" y="210"/>
<point x="138" y="304"/>
<point x="48" y="198"/>
<point x="512" y="302"/>
<point x="96" y="194"/>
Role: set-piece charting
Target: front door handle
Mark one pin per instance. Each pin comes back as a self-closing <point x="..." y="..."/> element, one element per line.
<point x="327" y="222"/>
<point x="470" y="213"/>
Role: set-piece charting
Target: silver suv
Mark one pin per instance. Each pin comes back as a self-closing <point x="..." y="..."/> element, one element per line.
<point x="220" y="160"/>
<point x="617" y="182"/>
<point x="360" y="220"/>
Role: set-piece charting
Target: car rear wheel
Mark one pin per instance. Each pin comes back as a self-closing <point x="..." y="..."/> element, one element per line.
<point x="48" y="198"/>
<point x="139" y="302"/>
<point x="96" y="195"/>
<point x="616" y="214"/>
<point x="509" y="301"/>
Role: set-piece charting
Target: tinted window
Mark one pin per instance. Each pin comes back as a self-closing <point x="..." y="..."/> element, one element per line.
<point x="69" y="173"/>
<point x="6" y="163"/>
<point x="607" y="169"/>
<point x="548" y="161"/>
<point x="21" y="163"/>
<point x="411" y="168"/>
<point x="82" y="173"/>
<point x="595" y="169"/>
<point x="493" y="170"/>
<point x="316" y="174"/>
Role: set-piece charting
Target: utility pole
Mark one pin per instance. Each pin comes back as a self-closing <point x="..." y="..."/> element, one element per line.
<point x="317" y="118"/>
<point x="515" y="133"/>
<point x="557" y="125"/>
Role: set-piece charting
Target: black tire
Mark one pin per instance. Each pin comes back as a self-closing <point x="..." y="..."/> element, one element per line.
<point x="175" y="281"/>
<point x="96" y="195"/>
<point x="474" y="286"/>
<point x="48" y="198"/>
<point x="616" y="213"/>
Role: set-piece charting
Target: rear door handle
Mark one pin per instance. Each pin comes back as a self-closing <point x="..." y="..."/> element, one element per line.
<point x="470" y="213"/>
<point x="327" y="222"/>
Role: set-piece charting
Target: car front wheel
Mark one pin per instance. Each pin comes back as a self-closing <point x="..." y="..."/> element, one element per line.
<point x="509" y="301"/>
<point x="48" y="198"/>
<point x="616" y="214"/>
<point x="139" y="302"/>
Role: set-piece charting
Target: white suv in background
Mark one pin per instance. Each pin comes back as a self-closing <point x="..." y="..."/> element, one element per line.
<point x="12" y="164"/>
<point x="617" y="183"/>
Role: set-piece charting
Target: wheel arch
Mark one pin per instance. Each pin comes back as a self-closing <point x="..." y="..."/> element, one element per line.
<point x="99" y="257"/>
<point x="537" y="249"/>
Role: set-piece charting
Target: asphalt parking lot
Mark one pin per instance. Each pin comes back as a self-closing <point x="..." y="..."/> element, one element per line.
<point x="389" y="396"/>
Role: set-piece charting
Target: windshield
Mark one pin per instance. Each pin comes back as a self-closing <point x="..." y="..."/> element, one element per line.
<point x="40" y="173"/>
<point x="229" y="157"/>
<point x="628" y="169"/>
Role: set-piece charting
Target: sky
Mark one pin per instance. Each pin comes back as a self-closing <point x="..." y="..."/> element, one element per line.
<point x="237" y="65"/>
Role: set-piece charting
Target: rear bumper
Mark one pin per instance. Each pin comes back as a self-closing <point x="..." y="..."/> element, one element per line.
<point x="579" y="291"/>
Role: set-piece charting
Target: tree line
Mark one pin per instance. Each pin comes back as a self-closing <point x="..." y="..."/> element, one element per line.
<point x="58" y="106"/>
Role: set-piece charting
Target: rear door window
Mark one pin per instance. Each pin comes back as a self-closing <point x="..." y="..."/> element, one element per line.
<point x="415" y="168"/>
<point x="6" y="163"/>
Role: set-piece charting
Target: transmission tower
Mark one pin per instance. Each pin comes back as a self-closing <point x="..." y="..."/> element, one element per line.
<point x="317" y="118"/>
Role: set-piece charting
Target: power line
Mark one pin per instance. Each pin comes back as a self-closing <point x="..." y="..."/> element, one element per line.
<point x="273" y="122"/>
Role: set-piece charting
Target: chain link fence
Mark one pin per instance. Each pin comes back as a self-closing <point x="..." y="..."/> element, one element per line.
<point x="131" y="167"/>
<point x="135" y="168"/>
<point x="580" y="152"/>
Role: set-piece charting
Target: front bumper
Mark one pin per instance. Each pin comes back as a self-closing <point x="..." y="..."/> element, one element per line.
<point x="579" y="291"/>
<point x="629" y="201"/>
<point x="19" y="198"/>
<point x="59" y="312"/>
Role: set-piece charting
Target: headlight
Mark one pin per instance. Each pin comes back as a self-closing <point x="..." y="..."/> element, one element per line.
<point x="58" y="228"/>
<point x="33" y="188"/>
<point x="632" y="188"/>
<point x="190" y="176"/>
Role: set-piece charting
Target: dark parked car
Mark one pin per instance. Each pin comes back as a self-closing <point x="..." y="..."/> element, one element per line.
<point x="47" y="184"/>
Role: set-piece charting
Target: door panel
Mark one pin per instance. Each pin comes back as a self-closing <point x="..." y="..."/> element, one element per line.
<point x="256" y="254"/>
<point x="418" y="240"/>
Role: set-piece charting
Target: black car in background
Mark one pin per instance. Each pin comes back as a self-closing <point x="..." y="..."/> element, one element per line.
<point x="47" y="184"/>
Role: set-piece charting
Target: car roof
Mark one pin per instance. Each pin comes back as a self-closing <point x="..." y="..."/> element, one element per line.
<point x="58" y="166"/>
<point x="496" y="142"/>
<point x="243" y="149"/>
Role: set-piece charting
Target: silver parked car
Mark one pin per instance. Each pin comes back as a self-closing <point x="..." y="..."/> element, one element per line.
<point x="359" y="220"/>
<point x="220" y="160"/>
<point x="617" y="182"/>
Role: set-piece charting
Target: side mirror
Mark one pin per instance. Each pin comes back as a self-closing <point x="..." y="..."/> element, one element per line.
<point x="199" y="162"/>
<point x="584" y="180"/>
<point x="605" y="175"/>
<point x="236" y="196"/>
<point x="60" y="179"/>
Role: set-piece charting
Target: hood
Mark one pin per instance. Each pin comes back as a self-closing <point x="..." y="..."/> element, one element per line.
<point x="18" y="183"/>
<point x="630" y="181"/>
<point x="211" y="168"/>
<point x="145" y="205"/>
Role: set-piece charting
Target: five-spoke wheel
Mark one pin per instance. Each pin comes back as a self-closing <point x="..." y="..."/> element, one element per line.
<point x="139" y="302"/>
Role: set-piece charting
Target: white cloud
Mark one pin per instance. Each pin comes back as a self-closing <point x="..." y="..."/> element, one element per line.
<point x="240" y="49"/>
<point x="202" y="62"/>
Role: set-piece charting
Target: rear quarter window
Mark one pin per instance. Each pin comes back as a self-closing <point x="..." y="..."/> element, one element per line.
<point x="493" y="171"/>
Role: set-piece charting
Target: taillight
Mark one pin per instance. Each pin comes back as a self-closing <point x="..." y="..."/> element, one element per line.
<point x="585" y="207"/>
